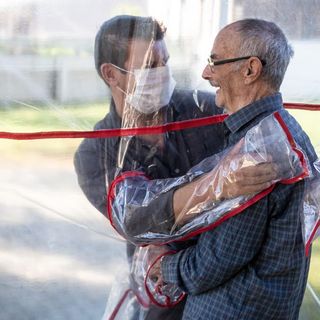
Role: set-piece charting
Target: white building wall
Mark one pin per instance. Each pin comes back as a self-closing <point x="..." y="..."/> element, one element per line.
<point x="192" y="26"/>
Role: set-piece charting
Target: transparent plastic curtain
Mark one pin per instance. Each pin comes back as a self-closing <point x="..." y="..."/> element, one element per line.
<point x="60" y="255"/>
<point x="218" y="190"/>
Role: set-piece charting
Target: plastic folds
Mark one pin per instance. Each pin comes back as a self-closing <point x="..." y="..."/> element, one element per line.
<point x="146" y="275"/>
<point x="124" y="302"/>
<point x="311" y="213"/>
<point x="221" y="186"/>
<point x="133" y="295"/>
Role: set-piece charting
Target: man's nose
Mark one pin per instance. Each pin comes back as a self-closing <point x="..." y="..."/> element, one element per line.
<point x="206" y="73"/>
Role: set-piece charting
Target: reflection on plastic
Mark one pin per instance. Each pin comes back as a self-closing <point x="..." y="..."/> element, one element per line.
<point x="311" y="213"/>
<point x="146" y="275"/>
<point x="132" y="295"/>
<point x="218" y="194"/>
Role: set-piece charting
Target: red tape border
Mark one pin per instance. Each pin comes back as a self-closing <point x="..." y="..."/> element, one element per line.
<point x="305" y="173"/>
<point x="109" y="133"/>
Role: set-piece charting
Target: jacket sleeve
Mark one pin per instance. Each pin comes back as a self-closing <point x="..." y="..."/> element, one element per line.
<point x="142" y="209"/>
<point x="90" y="170"/>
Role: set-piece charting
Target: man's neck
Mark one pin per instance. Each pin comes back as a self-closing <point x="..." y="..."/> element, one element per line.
<point x="250" y="96"/>
<point x="118" y="100"/>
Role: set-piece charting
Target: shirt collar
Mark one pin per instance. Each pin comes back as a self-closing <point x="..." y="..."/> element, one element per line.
<point x="268" y="105"/>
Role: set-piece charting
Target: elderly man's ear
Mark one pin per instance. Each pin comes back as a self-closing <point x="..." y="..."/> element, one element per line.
<point x="252" y="70"/>
<point x="110" y="74"/>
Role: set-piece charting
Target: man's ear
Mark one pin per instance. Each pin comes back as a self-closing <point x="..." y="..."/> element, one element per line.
<point x="109" y="74"/>
<point x="252" y="70"/>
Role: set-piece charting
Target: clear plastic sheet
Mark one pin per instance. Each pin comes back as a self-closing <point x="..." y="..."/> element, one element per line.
<point x="311" y="214"/>
<point x="124" y="302"/>
<point x="215" y="190"/>
<point x="135" y="294"/>
<point x="58" y="253"/>
<point x="146" y="276"/>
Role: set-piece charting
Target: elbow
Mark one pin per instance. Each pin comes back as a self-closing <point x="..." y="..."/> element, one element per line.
<point x="125" y="222"/>
<point x="199" y="278"/>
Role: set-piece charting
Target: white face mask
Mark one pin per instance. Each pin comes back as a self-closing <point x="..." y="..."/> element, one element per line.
<point x="153" y="90"/>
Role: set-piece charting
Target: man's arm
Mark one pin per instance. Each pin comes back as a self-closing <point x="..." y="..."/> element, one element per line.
<point x="217" y="187"/>
<point x="232" y="247"/>
<point x="143" y="206"/>
<point x="90" y="170"/>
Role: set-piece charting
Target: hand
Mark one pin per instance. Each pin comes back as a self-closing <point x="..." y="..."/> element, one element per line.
<point x="248" y="180"/>
<point x="155" y="274"/>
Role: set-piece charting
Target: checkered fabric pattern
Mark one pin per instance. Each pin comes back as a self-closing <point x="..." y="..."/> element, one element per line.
<point x="252" y="266"/>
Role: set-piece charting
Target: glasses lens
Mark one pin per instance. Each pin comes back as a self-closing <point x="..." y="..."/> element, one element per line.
<point x="210" y="63"/>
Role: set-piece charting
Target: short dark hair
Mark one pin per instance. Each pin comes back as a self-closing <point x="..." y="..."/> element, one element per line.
<point x="113" y="39"/>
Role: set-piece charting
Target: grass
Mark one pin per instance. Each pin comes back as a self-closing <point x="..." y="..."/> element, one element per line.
<point x="315" y="267"/>
<point x="83" y="117"/>
<point x="309" y="121"/>
<point x="310" y="309"/>
<point x="45" y="118"/>
<point x="54" y="117"/>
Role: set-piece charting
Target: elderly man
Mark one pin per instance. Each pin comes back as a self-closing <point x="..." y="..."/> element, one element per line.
<point x="252" y="266"/>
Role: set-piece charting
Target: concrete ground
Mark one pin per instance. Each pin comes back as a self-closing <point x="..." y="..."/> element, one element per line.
<point x="58" y="255"/>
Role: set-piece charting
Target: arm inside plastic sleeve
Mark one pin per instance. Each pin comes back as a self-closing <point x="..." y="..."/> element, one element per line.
<point x="143" y="209"/>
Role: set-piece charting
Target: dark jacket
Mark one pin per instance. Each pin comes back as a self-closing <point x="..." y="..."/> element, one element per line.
<point x="96" y="159"/>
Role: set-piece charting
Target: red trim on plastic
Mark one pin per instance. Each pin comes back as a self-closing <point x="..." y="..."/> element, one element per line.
<point x="232" y="213"/>
<point x="108" y="133"/>
<point x="300" y="154"/>
<point x="260" y="195"/>
<point x="168" y="304"/>
<point x="302" y="106"/>
<point x="313" y="233"/>
<point x="111" y="191"/>
<point x="118" y="306"/>
<point x="305" y="173"/>
<point x="285" y="128"/>
<point x="236" y="211"/>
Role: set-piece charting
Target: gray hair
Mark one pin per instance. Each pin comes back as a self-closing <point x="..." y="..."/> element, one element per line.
<point x="265" y="40"/>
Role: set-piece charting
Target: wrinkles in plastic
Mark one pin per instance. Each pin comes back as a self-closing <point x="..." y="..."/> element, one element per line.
<point x="311" y="213"/>
<point x="148" y="278"/>
<point x="269" y="138"/>
<point x="165" y="294"/>
<point x="132" y="296"/>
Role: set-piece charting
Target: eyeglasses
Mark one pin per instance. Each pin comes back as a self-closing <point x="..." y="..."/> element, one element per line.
<point x="213" y="63"/>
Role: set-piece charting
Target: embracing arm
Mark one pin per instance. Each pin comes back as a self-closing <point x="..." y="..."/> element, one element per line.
<point x="232" y="247"/>
<point x="142" y="206"/>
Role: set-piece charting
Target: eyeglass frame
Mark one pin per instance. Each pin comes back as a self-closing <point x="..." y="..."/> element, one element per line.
<point x="212" y="63"/>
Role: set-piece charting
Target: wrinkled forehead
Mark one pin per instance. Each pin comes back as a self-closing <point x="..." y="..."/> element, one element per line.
<point x="145" y="54"/>
<point x="226" y="43"/>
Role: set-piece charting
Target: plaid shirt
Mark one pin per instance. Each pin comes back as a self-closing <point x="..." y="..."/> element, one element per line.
<point x="252" y="266"/>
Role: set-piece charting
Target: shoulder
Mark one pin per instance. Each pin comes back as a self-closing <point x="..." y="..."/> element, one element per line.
<point x="108" y="122"/>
